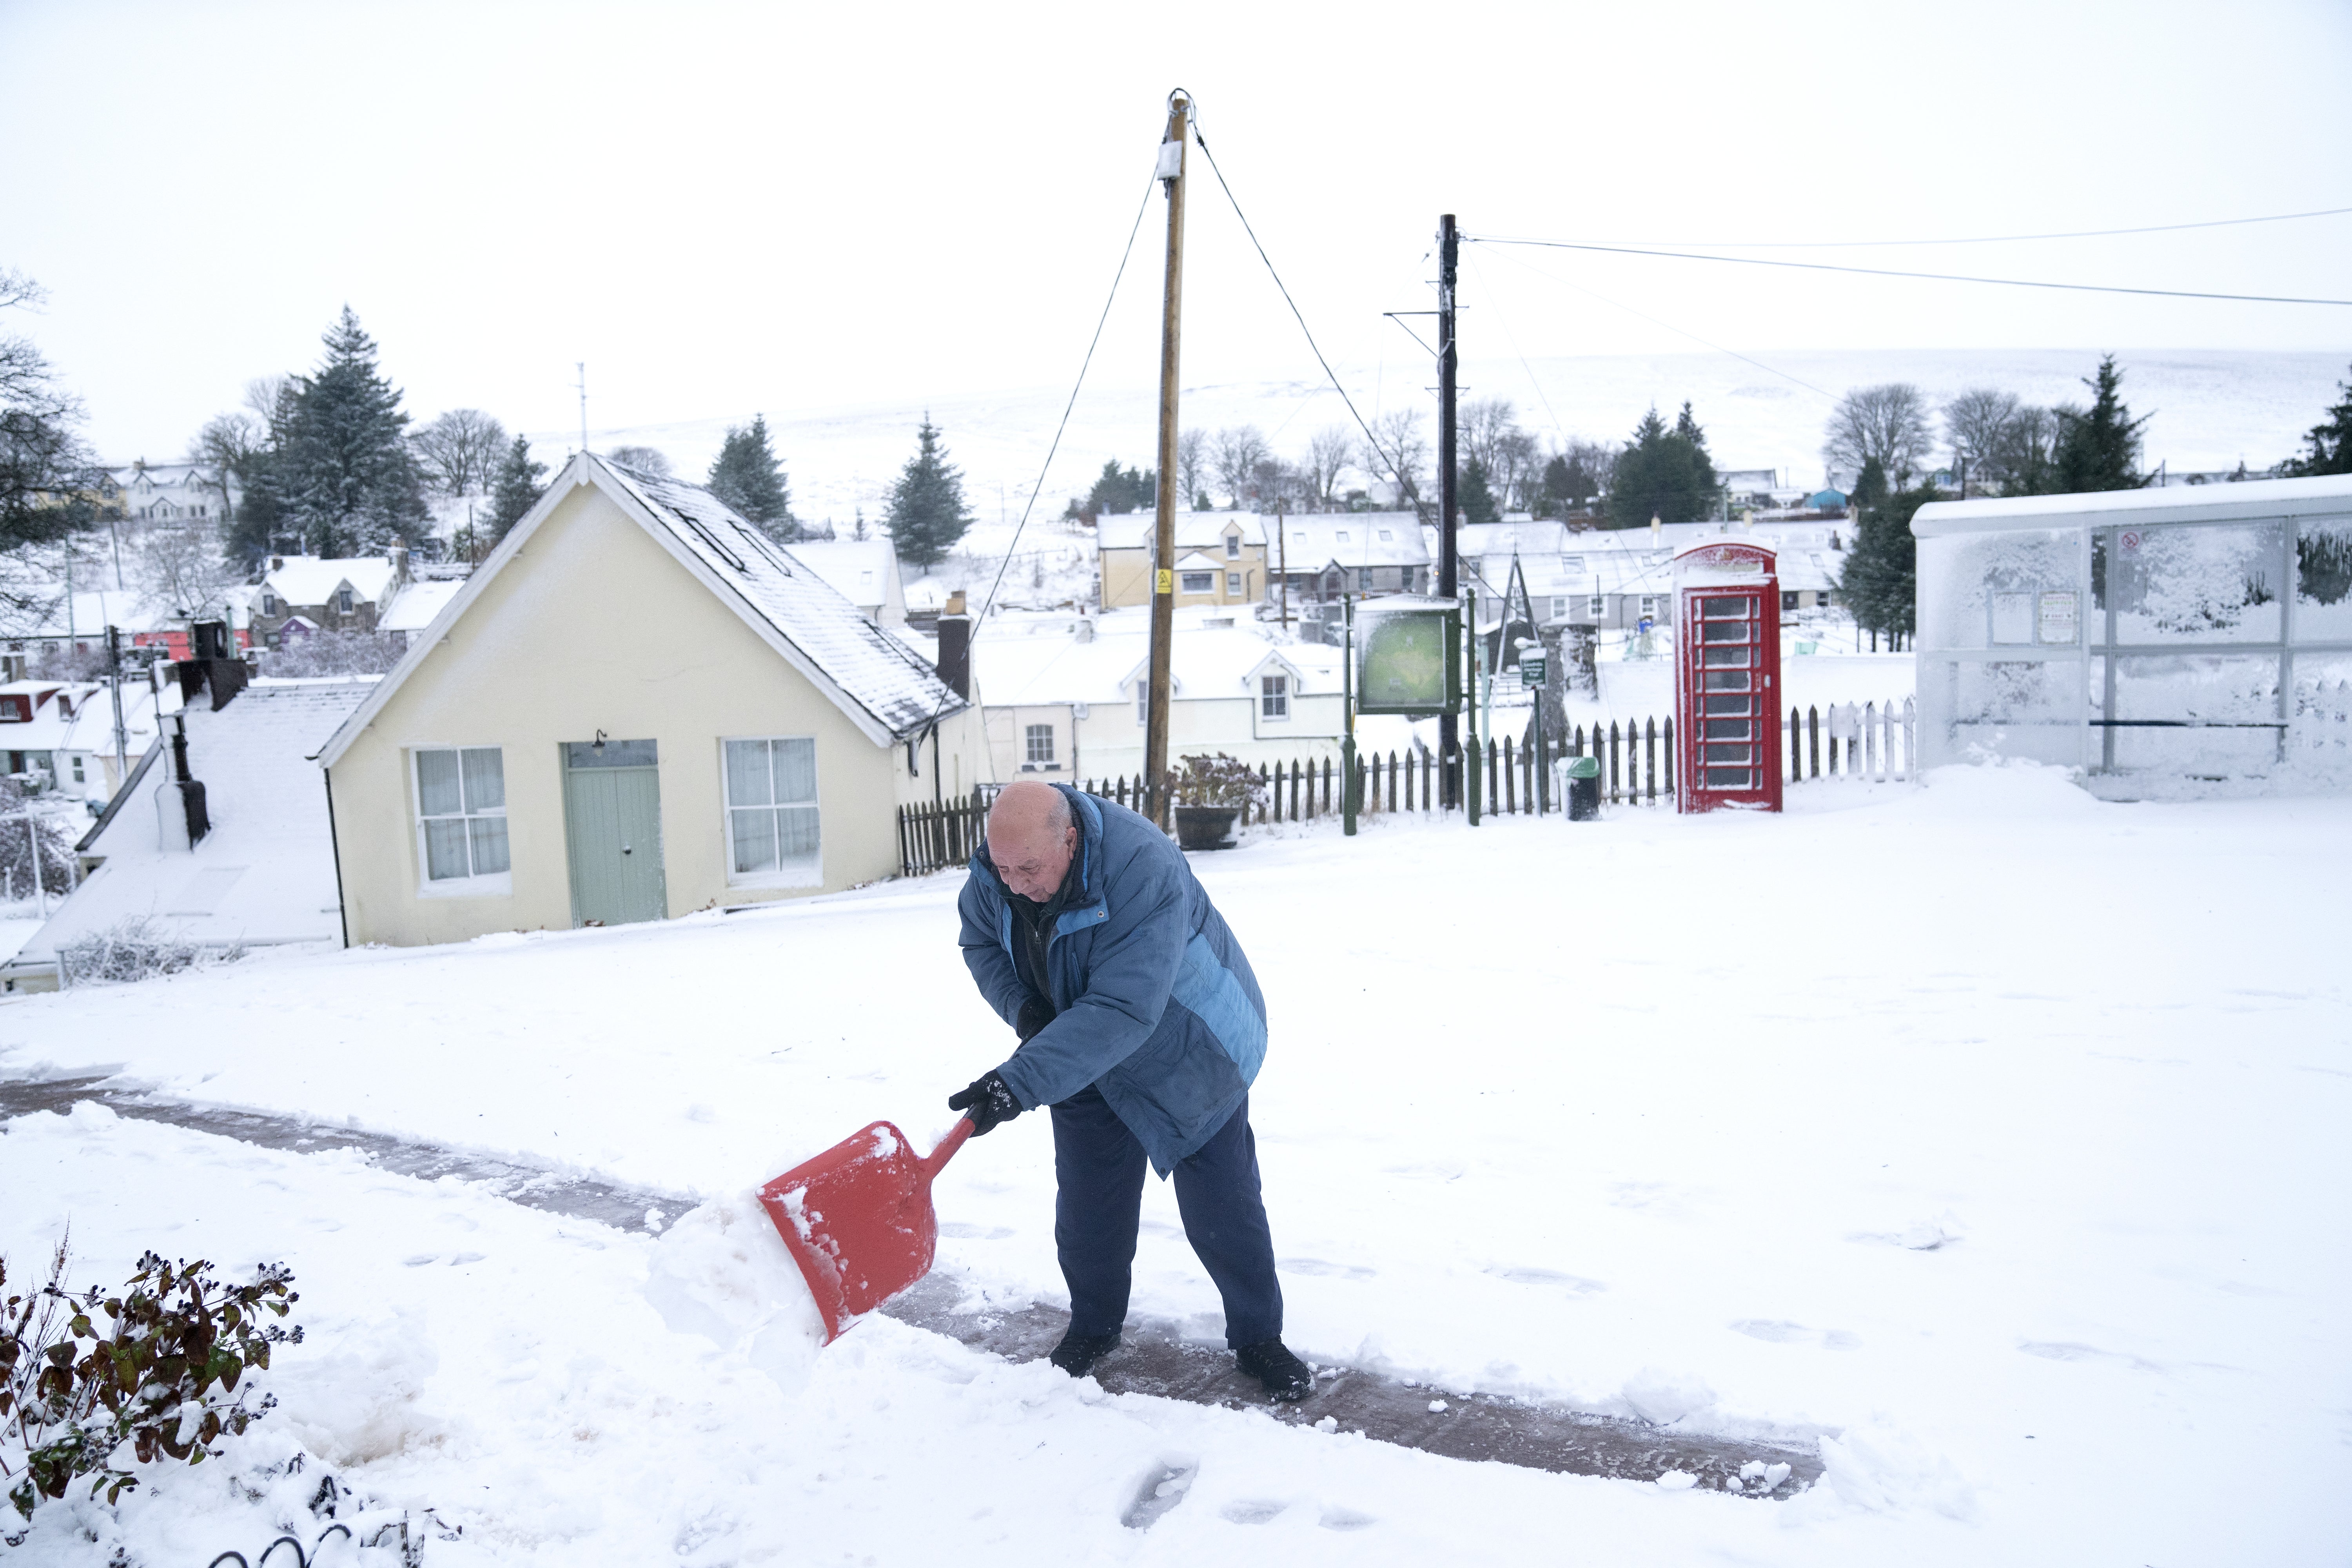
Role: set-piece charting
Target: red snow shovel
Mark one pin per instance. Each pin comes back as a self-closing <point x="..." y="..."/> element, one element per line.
<point x="859" y="1219"/>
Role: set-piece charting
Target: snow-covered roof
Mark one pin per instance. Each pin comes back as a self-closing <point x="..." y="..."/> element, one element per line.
<point x="308" y="580"/>
<point x="1313" y="541"/>
<point x="858" y="569"/>
<point x="1194" y="530"/>
<point x="265" y="872"/>
<point x="2176" y="503"/>
<point x="1047" y="665"/>
<point x="883" y="686"/>
<point x="1196" y="562"/>
<point x="417" y="604"/>
<point x="78" y="716"/>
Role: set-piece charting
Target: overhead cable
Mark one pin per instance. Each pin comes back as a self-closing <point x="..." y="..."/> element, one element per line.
<point x="1886" y="273"/>
<point x="1977" y="239"/>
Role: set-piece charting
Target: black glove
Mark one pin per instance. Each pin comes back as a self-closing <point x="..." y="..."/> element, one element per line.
<point x="1035" y="1014"/>
<point x="988" y="1101"/>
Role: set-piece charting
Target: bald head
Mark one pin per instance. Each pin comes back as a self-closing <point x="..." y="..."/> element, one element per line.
<point x="1032" y="838"/>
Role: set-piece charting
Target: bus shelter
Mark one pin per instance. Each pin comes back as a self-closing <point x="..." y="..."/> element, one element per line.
<point x="2199" y="632"/>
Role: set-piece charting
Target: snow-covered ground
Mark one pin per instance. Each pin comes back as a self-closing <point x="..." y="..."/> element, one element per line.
<point x="1991" y="1134"/>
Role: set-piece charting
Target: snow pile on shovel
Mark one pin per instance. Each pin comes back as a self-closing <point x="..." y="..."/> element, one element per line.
<point x="723" y="1272"/>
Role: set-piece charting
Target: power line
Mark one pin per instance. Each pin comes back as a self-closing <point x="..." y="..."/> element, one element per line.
<point x="1884" y="272"/>
<point x="1396" y="472"/>
<point x="1039" y="488"/>
<point x="1978" y="239"/>
<point x="1718" y="348"/>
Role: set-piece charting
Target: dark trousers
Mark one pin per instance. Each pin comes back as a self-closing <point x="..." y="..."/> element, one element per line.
<point x="1099" y="1167"/>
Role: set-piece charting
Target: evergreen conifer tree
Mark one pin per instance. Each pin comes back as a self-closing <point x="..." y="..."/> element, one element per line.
<point x="2327" y="449"/>
<point x="2098" y="449"/>
<point x="1879" y="584"/>
<point x="1663" y="473"/>
<point x="343" y="463"/>
<point x="748" y="478"/>
<point x="514" y="492"/>
<point x="926" y="507"/>
<point x="1476" y="496"/>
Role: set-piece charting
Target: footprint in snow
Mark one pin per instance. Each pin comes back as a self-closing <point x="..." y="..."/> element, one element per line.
<point x="1576" y="1283"/>
<point x="1774" y="1331"/>
<point x="1316" y="1268"/>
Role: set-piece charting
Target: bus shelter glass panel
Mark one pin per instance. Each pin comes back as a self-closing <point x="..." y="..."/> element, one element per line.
<point x="2203" y="584"/>
<point x="2321" y="732"/>
<point x="2206" y="714"/>
<point x="2323" y="581"/>
<point x="2022" y="589"/>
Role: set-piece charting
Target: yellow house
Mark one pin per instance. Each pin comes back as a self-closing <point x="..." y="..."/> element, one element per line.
<point x="1220" y="558"/>
<point x="638" y="707"/>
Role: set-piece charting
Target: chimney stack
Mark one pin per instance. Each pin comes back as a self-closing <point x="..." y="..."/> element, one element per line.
<point x="955" y="647"/>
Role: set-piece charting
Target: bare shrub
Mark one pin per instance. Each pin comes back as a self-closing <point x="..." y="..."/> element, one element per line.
<point x="334" y="653"/>
<point x="130" y="951"/>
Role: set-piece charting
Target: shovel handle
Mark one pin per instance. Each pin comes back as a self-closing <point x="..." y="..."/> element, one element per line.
<point x="940" y="1156"/>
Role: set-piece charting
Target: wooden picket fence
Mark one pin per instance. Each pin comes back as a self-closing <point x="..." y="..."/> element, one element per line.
<point x="1868" y="741"/>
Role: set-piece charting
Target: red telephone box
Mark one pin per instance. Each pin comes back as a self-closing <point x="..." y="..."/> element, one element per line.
<point x="1727" y="677"/>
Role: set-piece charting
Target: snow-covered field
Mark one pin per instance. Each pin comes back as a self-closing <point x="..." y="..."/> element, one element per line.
<point x="1992" y="1134"/>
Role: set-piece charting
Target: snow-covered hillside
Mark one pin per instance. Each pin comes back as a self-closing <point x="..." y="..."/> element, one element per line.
<point x="2210" y="409"/>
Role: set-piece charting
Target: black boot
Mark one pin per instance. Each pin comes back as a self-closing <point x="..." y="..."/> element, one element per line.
<point x="1077" y="1353"/>
<point x="1285" y="1377"/>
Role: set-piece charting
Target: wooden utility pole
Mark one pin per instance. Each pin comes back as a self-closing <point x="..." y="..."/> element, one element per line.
<point x="1282" y="552"/>
<point x="1163" y="551"/>
<point x="1449" y="745"/>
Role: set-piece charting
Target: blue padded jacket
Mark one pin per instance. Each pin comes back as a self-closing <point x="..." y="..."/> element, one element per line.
<point x="1155" y="1004"/>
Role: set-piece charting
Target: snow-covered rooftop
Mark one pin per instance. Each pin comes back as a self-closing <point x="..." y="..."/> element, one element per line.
<point x="308" y="580"/>
<point x="1194" y="530"/>
<point x="417" y="605"/>
<point x="858" y="569"/>
<point x="265" y="872"/>
<point x="1046" y="665"/>
<point x="1312" y="542"/>
<point x="874" y="670"/>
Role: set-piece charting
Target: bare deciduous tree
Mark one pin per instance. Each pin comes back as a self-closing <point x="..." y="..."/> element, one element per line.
<point x="226" y="444"/>
<point x="1976" y="424"/>
<point x="1399" y="451"/>
<point x="1329" y="451"/>
<point x="1237" y="453"/>
<point x="1486" y="421"/>
<point x="264" y="394"/>
<point x="1888" y="422"/>
<point x="461" y="449"/>
<point x="1519" y="464"/>
<point x="183" y="566"/>
<point x="1191" y="463"/>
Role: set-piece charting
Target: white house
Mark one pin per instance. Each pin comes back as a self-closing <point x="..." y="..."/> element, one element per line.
<point x="1321" y="556"/>
<point x="1064" y="700"/>
<point x="59" y="735"/>
<point x="638" y="707"/>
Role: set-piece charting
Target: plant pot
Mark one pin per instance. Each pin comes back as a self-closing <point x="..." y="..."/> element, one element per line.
<point x="1205" y="826"/>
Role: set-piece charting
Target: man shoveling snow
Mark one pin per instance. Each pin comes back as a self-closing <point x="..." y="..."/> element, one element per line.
<point x="1142" y="1028"/>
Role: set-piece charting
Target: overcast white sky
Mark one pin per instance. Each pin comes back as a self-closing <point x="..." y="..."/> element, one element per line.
<point x="790" y="208"/>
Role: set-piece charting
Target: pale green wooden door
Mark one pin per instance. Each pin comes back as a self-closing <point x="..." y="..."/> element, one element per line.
<point x="612" y="825"/>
